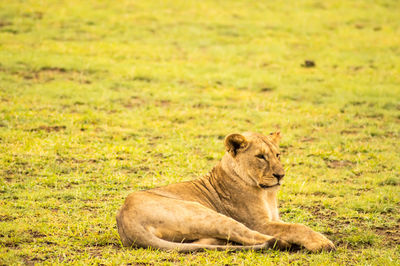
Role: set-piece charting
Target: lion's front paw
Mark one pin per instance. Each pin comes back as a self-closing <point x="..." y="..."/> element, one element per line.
<point x="318" y="242"/>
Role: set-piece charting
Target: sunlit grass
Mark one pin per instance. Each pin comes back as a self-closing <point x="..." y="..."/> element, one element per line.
<point x="101" y="98"/>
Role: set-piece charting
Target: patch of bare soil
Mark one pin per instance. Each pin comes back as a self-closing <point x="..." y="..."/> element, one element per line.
<point x="95" y="252"/>
<point x="61" y="159"/>
<point x="308" y="139"/>
<point x="201" y="105"/>
<point x="133" y="102"/>
<point x="348" y="132"/>
<point x="308" y="64"/>
<point x="4" y="23"/>
<point x="321" y="212"/>
<point x="49" y="128"/>
<point x="51" y="73"/>
<point x="361" y="191"/>
<point x="330" y="217"/>
<point x="144" y="79"/>
<point x="163" y="103"/>
<point x="46" y="74"/>
<point x="32" y="260"/>
<point x="165" y="260"/>
<point x="391" y="234"/>
<point x="338" y="163"/>
<point x="267" y="89"/>
<point x="355" y="68"/>
<point x="54" y="69"/>
<point x="36" y="234"/>
<point x="6" y="218"/>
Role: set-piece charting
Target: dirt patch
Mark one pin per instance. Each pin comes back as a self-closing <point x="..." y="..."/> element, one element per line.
<point x="355" y="68"/>
<point x="322" y="194"/>
<point x="36" y="234"/>
<point x="32" y="261"/>
<point x="370" y="115"/>
<point x="136" y="170"/>
<point x="390" y="181"/>
<point x="90" y="208"/>
<point x="201" y="105"/>
<point x="359" y="26"/>
<point x="161" y="261"/>
<point x="338" y="164"/>
<point x="308" y="64"/>
<point x="4" y="23"/>
<point x="132" y="103"/>
<point x="361" y="191"/>
<point x="321" y="212"/>
<point x="391" y="234"/>
<point x="391" y="134"/>
<point x="336" y="223"/>
<point x="7" y="178"/>
<point x="212" y="136"/>
<point x="144" y="79"/>
<point x="61" y="159"/>
<point x="6" y="218"/>
<point x="308" y="139"/>
<point x="49" y="128"/>
<point x="163" y="103"/>
<point x="95" y="252"/>
<point x="348" y="132"/>
<point x="267" y="89"/>
<point x="47" y="74"/>
<point x="35" y="15"/>
<point x="364" y="189"/>
<point x="357" y="103"/>
<point x="375" y="116"/>
<point x="161" y="155"/>
<point x="54" y="69"/>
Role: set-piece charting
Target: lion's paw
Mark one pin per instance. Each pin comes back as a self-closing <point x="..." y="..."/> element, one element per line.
<point x="318" y="242"/>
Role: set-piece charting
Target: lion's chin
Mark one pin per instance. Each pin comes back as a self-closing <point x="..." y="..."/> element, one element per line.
<point x="263" y="186"/>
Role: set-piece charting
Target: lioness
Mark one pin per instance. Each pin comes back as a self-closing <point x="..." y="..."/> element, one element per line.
<point x="233" y="207"/>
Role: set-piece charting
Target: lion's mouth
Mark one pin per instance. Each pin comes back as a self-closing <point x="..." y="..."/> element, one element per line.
<point x="266" y="186"/>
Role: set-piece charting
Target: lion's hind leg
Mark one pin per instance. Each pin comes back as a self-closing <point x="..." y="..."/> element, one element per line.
<point x="210" y="241"/>
<point x="165" y="223"/>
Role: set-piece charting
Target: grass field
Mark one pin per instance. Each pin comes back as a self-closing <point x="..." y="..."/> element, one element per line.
<point x="102" y="98"/>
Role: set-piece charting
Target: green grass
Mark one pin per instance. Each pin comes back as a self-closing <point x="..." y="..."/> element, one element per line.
<point x="102" y="98"/>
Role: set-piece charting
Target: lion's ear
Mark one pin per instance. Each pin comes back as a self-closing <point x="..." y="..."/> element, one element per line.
<point x="234" y="143"/>
<point x="275" y="137"/>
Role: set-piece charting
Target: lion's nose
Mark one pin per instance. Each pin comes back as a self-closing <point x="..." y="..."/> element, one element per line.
<point x="279" y="176"/>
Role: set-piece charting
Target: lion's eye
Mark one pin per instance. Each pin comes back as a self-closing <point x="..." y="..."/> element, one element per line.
<point x="261" y="156"/>
<point x="278" y="155"/>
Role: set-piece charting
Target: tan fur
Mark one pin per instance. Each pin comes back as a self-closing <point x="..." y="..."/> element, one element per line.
<point x="234" y="207"/>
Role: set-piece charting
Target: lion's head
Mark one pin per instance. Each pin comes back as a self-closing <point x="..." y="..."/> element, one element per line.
<point x="255" y="158"/>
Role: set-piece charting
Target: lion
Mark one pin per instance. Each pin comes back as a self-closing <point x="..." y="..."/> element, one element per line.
<point x="233" y="207"/>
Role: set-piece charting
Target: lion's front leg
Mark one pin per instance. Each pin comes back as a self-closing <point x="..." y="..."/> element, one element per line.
<point x="298" y="234"/>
